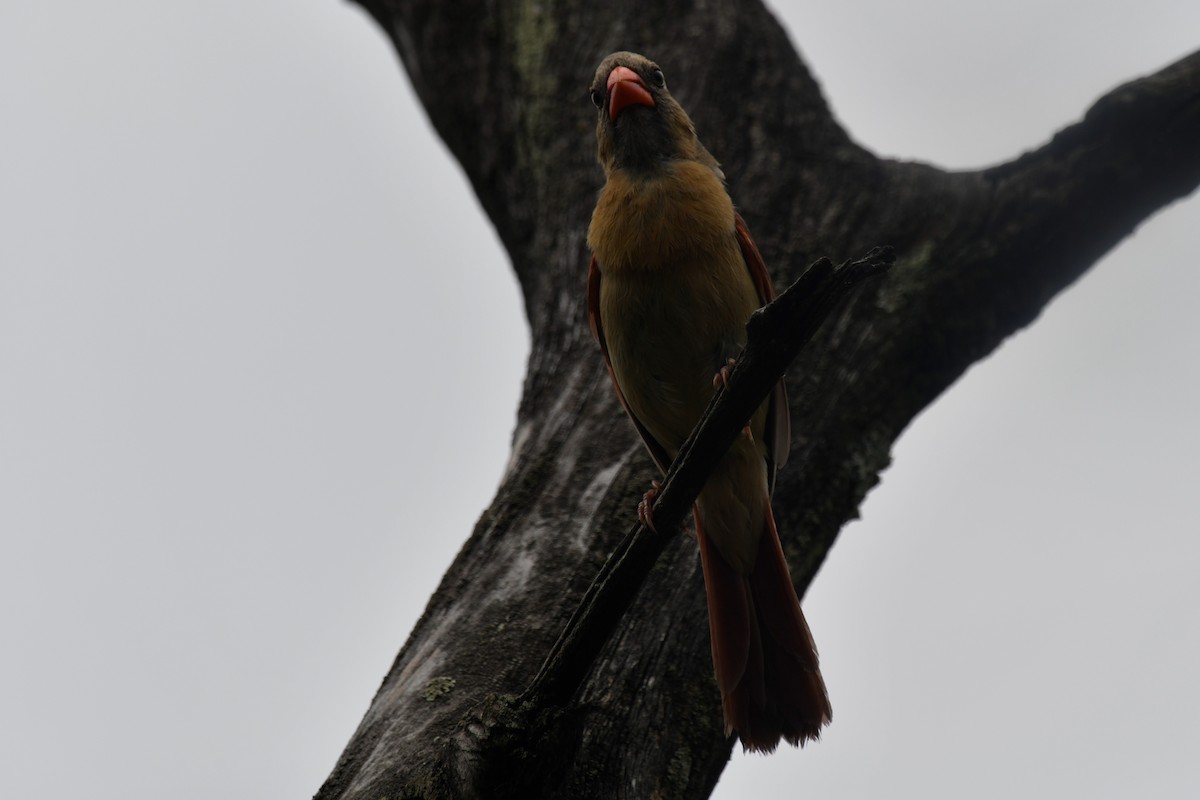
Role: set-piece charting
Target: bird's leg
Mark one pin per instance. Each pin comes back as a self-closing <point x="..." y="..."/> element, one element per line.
<point x="645" y="508"/>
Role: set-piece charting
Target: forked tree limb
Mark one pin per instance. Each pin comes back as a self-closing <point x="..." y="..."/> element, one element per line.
<point x="980" y="254"/>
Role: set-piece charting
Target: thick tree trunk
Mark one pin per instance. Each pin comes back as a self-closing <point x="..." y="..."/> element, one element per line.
<point x="978" y="255"/>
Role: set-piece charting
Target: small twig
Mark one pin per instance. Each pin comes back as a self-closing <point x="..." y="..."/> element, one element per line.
<point x="775" y="335"/>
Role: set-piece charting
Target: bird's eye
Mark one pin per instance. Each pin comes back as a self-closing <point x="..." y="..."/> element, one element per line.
<point x="597" y="98"/>
<point x="659" y="79"/>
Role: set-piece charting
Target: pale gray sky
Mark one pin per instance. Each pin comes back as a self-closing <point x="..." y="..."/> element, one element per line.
<point x="233" y="464"/>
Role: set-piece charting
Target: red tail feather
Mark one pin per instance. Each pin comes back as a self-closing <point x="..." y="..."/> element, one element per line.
<point x="763" y="653"/>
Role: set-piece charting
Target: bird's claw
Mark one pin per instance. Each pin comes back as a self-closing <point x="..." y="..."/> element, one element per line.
<point x="721" y="379"/>
<point x="645" y="509"/>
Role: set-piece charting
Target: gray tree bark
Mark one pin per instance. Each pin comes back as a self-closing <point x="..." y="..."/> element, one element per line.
<point x="978" y="255"/>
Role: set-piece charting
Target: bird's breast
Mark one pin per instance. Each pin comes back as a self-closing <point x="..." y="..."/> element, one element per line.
<point x="661" y="220"/>
<point x="668" y="330"/>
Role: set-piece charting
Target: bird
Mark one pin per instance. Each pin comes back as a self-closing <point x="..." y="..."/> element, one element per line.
<point x="674" y="276"/>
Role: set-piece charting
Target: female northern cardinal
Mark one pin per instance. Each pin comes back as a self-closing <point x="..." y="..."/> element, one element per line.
<point x="674" y="277"/>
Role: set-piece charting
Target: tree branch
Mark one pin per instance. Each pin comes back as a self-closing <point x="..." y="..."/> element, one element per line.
<point x="775" y="334"/>
<point x="1071" y="200"/>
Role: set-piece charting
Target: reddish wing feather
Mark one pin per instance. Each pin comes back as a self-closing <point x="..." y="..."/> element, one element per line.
<point x="779" y="426"/>
<point x="754" y="260"/>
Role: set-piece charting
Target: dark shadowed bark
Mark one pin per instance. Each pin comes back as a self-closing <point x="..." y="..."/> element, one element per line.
<point x="979" y="254"/>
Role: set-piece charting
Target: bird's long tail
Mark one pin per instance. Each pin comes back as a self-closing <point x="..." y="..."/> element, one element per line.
<point x="763" y="653"/>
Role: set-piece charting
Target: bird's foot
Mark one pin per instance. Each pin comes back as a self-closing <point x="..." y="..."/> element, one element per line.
<point x="646" y="507"/>
<point x="721" y="379"/>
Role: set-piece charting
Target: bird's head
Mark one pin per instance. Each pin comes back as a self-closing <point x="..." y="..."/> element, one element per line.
<point x="639" y="126"/>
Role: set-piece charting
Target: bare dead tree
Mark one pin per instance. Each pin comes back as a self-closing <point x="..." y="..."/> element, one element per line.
<point x="978" y="255"/>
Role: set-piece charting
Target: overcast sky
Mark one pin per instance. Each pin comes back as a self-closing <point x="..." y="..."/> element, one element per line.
<point x="228" y="239"/>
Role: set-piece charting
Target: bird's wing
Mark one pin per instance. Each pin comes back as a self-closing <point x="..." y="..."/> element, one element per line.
<point x="657" y="452"/>
<point x="779" y="426"/>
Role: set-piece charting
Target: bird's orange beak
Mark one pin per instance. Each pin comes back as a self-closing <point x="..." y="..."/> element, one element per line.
<point x="625" y="88"/>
